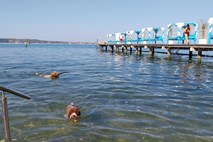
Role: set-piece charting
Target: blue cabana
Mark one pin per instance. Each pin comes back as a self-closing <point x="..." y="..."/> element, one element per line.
<point x="138" y="36"/>
<point x="159" y="34"/>
<point x="124" y="37"/>
<point x="130" y="37"/>
<point x="155" y="34"/>
<point x="117" y="37"/>
<point x="178" y="35"/>
<point x="133" y="37"/>
<point x="111" y="38"/>
<point x="146" y="35"/>
<point x="193" y="34"/>
<point x="210" y="35"/>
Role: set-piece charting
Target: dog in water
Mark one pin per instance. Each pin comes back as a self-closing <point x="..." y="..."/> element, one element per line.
<point x="72" y="112"/>
<point x="53" y="75"/>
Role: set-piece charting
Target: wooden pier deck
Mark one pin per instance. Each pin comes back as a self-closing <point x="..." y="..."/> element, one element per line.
<point x="166" y="47"/>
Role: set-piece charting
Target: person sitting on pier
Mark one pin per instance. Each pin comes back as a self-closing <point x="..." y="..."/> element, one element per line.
<point x="186" y="30"/>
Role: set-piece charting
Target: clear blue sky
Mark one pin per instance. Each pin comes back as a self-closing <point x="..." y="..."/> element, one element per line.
<point x="89" y="20"/>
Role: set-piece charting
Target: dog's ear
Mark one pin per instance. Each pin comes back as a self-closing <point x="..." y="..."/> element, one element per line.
<point x="69" y="111"/>
<point x="78" y="112"/>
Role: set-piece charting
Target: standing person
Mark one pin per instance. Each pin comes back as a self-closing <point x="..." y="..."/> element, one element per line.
<point x="186" y="30"/>
<point x="121" y="38"/>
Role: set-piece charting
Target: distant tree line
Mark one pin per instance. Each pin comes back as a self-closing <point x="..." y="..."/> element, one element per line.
<point x="12" y="40"/>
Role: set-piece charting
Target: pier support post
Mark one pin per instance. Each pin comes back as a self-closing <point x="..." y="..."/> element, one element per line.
<point x="130" y="50"/>
<point x="190" y="54"/>
<point x="106" y="48"/>
<point x="199" y="56"/>
<point x="112" y="48"/>
<point x="140" y="50"/>
<point x="117" y="49"/>
<point x="169" y="53"/>
<point x="126" y="48"/>
<point x="136" y="48"/>
<point x="151" y="51"/>
<point x="122" y="49"/>
<point x="199" y="53"/>
<point x="199" y="60"/>
<point x="6" y="119"/>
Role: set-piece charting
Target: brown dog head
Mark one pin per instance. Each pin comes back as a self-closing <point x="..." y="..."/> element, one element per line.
<point x="73" y="112"/>
<point x="54" y="75"/>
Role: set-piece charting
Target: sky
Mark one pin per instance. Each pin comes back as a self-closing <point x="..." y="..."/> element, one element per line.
<point x="89" y="20"/>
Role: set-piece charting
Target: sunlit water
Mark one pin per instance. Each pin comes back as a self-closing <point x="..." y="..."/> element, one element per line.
<point x="123" y="97"/>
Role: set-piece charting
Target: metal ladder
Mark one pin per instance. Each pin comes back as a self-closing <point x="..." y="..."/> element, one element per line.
<point x="5" y="110"/>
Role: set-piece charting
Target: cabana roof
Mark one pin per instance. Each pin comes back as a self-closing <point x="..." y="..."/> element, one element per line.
<point x="210" y="21"/>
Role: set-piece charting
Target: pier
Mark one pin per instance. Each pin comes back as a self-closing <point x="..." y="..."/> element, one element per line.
<point x="167" y="48"/>
<point x="165" y="40"/>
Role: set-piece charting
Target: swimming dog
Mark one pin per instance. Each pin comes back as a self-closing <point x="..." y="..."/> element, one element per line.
<point x="72" y="112"/>
<point x="53" y="75"/>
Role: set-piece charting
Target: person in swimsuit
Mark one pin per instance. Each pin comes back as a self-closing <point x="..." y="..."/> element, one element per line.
<point x="186" y="30"/>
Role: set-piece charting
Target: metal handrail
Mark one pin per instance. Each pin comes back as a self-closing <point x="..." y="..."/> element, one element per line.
<point x="5" y="110"/>
<point x="14" y="93"/>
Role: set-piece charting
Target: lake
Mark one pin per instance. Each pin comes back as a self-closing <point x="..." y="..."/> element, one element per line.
<point x="123" y="97"/>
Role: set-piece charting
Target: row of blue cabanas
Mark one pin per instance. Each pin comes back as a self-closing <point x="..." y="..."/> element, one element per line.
<point x="173" y="33"/>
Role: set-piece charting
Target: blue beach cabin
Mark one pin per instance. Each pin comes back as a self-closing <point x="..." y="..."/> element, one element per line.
<point x="158" y="34"/>
<point x="210" y="34"/>
<point x="146" y="35"/>
<point x="111" y="38"/>
<point x="130" y="37"/>
<point x="124" y="37"/>
<point x="138" y="33"/>
<point x="117" y="37"/>
<point x="193" y="33"/>
<point x="175" y="32"/>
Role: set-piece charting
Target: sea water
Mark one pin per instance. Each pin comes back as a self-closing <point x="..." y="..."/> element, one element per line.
<point x="123" y="97"/>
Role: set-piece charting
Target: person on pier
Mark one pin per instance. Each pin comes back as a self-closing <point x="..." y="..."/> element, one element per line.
<point x="121" y="38"/>
<point x="186" y="31"/>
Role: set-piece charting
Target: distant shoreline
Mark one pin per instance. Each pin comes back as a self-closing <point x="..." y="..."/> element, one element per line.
<point x="36" y="41"/>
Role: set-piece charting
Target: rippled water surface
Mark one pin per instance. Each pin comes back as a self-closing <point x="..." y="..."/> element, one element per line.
<point x="123" y="97"/>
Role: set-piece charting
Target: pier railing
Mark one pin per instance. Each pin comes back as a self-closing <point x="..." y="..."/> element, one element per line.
<point x="5" y="110"/>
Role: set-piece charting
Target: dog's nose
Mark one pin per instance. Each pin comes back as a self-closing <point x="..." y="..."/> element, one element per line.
<point x="73" y="116"/>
